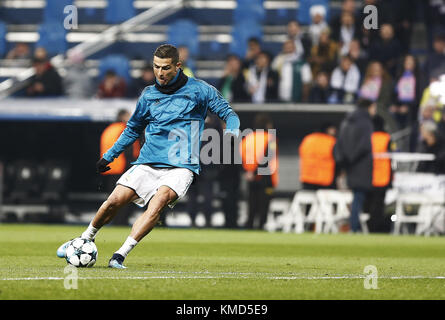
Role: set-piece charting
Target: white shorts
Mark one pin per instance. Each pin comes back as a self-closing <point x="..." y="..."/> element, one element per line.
<point x="146" y="180"/>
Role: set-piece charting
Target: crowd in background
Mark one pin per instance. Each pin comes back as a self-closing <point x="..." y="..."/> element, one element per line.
<point x="329" y="61"/>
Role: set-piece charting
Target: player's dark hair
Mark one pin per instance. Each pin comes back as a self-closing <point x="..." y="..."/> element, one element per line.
<point x="166" y="51"/>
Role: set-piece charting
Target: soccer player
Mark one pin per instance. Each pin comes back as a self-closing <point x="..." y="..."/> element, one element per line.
<point x="174" y="107"/>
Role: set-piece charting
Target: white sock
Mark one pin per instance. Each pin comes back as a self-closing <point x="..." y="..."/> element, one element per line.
<point x="128" y="245"/>
<point x="90" y="232"/>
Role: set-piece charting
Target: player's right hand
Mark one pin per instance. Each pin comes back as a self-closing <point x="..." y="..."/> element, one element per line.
<point x="102" y="165"/>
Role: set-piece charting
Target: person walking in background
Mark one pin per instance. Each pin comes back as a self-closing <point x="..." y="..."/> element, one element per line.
<point x="122" y="163"/>
<point x="317" y="163"/>
<point x="260" y="161"/>
<point x="353" y="152"/>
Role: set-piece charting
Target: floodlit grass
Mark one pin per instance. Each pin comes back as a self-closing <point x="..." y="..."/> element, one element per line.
<point x="220" y="264"/>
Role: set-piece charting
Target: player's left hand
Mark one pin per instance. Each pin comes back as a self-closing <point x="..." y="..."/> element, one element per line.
<point x="102" y="166"/>
<point x="233" y="132"/>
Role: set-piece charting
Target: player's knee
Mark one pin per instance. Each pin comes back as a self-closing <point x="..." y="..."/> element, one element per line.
<point x="114" y="201"/>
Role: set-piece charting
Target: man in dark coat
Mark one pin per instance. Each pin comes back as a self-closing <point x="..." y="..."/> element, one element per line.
<point x="353" y="152"/>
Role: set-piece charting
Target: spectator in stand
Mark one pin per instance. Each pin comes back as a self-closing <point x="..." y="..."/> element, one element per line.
<point x="295" y="82"/>
<point x="77" y="82"/>
<point x="359" y="56"/>
<point x="386" y="49"/>
<point x="112" y="86"/>
<point x="353" y="152"/>
<point x="41" y="53"/>
<point x="46" y="81"/>
<point x="345" y="81"/>
<point x="21" y="50"/>
<point x="346" y="32"/>
<point x="233" y="84"/>
<point x="253" y="50"/>
<point x="377" y="87"/>
<point x="184" y="56"/>
<point x="318" y="24"/>
<point x="146" y="79"/>
<point x="347" y="6"/>
<point x="432" y="142"/>
<point x="303" y="43"/>
<point x="431" y="108"/>
<point x="320" y="91"/>
<point x="404" y="14"/>
<point x="385" y="13"/>
<point x="295" y="74"/>
<point x="436" y="59"/>
<point x="287" y="54"/>
<point x="434" y="18"/>
<point x="406" y="93"/>
<point x="262" y="81"/>
<point x="317" y="164"/>
<point x="324" y="54"/>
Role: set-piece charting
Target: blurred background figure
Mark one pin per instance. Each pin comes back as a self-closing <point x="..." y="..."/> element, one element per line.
<point x="259" y="151"/>
<point x="253" y="50"/>
<point x="345" y="81"/>
<point x="318" y="23"/>
<point x="46" y="81"/>
<point x="21" y="50"/>
<point x="302" y="41"/>
<point x="109" y="178"/>
<point x="233" y="84"/>
<point x="324" y="54"/>
<point x="146" y="79"/>
<point x="434" y="143"/>
<point x="184" y="58"/>
<point x="320" y="91"/>
<point x="77" y="82"/>
<point x="262" y="81"/>
<point x="203" y="190"/>
<point x="382" y="176"/>
<point x="353" y="153"/>
<point x="317" y="163"/>
<point x="112" y="86"/>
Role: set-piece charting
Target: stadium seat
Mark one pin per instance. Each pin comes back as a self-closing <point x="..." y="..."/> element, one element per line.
<point x="2" y="39"/>
<point x="303" y="15"/>
<point x="241" y="33"/>
<point x="184" y="32"/>
<point x="52" y="37"/>
<point x="430" y="207"/>
<point x="118" y="11"/>
<point x="118" y="63"/>
<point x="54" y="178"/>
<point x="53" y="12"/>
<point x="296" y="218"/>
<point x="249" y="10"/>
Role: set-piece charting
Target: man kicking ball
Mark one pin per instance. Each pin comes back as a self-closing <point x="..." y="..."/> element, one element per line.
<point x="175" y="106"/>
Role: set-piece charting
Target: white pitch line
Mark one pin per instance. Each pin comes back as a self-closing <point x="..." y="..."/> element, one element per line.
<point x="223" y="277"/>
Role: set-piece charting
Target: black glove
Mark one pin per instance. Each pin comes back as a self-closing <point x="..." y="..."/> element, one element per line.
<point x="102" y="166"/>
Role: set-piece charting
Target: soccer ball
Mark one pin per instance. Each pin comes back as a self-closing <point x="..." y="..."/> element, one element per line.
<point x="81" y="253"/>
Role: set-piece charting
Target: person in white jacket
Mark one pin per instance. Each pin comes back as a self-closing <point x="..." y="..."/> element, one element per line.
<point x="345" y="81"/>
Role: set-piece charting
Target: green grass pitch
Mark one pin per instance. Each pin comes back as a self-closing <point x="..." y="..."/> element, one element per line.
<point x="208" y="264"/>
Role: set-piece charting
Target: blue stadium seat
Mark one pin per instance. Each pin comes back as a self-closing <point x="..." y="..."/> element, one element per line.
<point x="53" y="11"/>
<point x="52" y="36"/>
<point x="241" y="33"/>
<point x="118" y="11"/>
<point x="118" y="63"/>
<point x="249" y="9"/>
<point x="2" y="39"/>
<point x="184" y="32"/>
<point x="303" y="15"/>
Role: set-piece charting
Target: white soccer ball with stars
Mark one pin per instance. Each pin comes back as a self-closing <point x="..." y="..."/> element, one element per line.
<point x="81" y="253"/>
